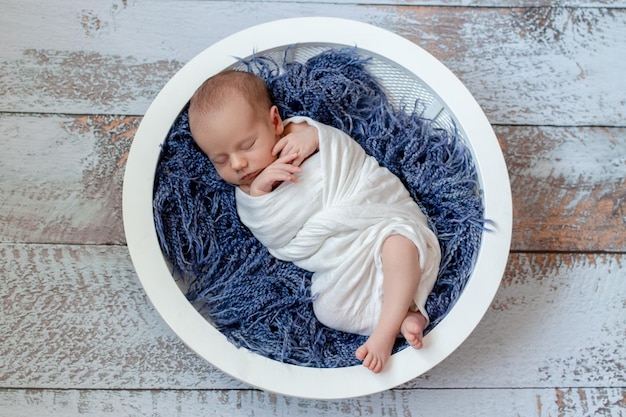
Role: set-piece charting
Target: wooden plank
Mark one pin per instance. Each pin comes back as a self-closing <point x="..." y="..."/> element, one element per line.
<point x="62" y="179"/>
<point x="76" y="317"/>
<point x="481" y="3"/>
<point x="569" y="187"/>
<point x="608" y="402"/>
<point x="557" y="320"/>
<point x="534" y="65"/>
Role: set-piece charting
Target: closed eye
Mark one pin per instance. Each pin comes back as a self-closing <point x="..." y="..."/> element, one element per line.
<point x="219" y="160"/>
<point x="248" y="144"/>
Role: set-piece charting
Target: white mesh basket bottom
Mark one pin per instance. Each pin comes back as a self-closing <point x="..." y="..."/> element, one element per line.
<point x="403" y="87"/>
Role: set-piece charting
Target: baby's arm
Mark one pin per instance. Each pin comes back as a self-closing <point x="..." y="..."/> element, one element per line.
<point x="299" y="139"/>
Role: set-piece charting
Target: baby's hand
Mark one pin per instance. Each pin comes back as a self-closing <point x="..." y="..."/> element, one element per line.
<point x="278" y="171"/>
<point x="301" y="140"/>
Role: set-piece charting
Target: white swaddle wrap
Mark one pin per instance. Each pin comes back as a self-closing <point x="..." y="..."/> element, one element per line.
<point x="333" y="222"/>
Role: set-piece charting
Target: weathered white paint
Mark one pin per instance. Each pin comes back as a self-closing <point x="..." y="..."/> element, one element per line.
<point x="559" y="317"/>
<point x="77" y="317"/>
<point x="415" y="403"/>
<point x="482" y="3"/>
<point x="62" y="177"/>
<point x="62" y="181"/>
<point x="552" y="65"/>
<point x="566" y="181"/>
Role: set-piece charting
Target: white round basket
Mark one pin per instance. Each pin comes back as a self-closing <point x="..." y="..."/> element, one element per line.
<point x="408" y="73"/>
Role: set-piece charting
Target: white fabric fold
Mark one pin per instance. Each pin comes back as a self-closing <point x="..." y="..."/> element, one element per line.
<point x="333" y="222"/>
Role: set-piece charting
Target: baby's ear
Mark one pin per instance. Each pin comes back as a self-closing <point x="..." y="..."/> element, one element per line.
<point x="277" y="122"/>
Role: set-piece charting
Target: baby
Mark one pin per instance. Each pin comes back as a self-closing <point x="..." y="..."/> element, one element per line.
<point x="312" y="196"/>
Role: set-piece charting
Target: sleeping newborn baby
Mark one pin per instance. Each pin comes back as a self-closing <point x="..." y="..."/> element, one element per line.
<point x="313" y="197"/>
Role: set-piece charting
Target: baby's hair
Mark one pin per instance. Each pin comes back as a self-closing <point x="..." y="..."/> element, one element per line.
<point x="215" y="91"/>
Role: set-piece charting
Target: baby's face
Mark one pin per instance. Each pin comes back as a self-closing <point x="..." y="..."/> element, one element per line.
<point x="238" y="141"/>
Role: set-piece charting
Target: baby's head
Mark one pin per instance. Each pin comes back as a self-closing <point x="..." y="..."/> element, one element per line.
<point x="233" y="121"/>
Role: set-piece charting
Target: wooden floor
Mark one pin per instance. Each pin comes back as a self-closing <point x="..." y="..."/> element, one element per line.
<point x="78" y="336"/>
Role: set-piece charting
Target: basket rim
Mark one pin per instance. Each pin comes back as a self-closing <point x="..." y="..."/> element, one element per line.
<point x="195" y="331"/>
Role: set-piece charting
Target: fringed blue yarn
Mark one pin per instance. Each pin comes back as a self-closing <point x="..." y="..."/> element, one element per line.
<point x="265" y="304"/>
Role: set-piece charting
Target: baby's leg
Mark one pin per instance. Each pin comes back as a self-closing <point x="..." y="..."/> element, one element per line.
<point x="401" y="273"/>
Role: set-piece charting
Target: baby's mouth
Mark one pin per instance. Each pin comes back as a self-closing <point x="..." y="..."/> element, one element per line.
<point x="249" y="177"/>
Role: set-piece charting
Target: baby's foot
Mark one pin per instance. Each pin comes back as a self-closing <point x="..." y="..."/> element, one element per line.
<point x="412" y="329"/>
<point x="375" y="352"/>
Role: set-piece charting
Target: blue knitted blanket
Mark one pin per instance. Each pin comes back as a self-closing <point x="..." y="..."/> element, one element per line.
<point x="264" y="304"/>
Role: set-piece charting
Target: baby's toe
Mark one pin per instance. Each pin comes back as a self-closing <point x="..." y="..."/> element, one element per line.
<point x="361" y="353"/>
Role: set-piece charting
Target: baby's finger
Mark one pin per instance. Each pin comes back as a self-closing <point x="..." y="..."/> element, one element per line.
<point x="288" y="158"/>
<point x="282" y="176"/>
<point x="279" y="146"/>
<point x="299" y="160"/>
<point x="290" y="168"/>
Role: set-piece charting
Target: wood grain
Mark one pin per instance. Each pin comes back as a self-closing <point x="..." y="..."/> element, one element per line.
<point x="568" y="186"/>
<point x="531" y="66"/>
<point x="62" y="178"/>
<point x="557" y="320"/>
<point x="563" y="402"/>
<point x="77" y="317"/>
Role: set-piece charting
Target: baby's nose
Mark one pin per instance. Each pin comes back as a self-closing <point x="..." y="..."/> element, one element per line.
<point x="237" y="162"/>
